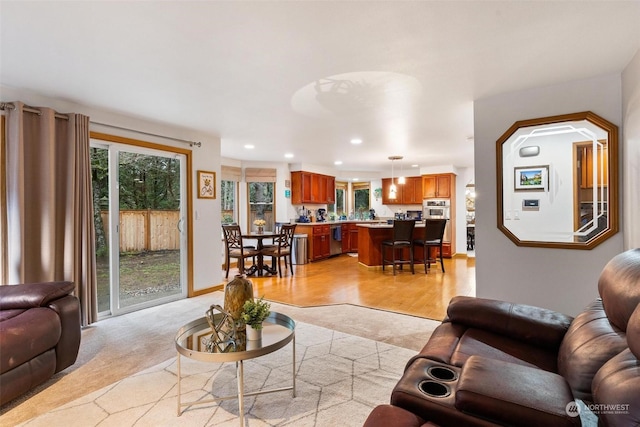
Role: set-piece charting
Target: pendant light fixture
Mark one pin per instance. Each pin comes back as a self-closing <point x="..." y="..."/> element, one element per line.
<point x="393" y="192"/>
<point x="401" y="179"/>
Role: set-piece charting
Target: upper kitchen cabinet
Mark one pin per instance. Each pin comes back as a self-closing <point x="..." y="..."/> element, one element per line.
<point x="412" y="191"/>
<point x="409" y="193"/>
<point x="331" y="190"/>
<point x="438" y="186"/>
<point x="308" y="187"/>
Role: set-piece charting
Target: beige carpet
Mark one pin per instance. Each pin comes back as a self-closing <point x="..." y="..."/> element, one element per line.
<point x="339" y="379"/>
<point x="119" y="347"/>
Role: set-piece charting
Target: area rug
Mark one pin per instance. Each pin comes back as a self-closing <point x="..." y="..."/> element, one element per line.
<point x="340" y="378"/>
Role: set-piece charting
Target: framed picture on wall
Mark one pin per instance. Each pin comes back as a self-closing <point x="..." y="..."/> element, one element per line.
<point x="206" y="185"/>
<point x="531" y="178"/>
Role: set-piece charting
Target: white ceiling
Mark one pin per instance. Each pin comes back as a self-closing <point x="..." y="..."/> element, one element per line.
<point x="305" y="77"/>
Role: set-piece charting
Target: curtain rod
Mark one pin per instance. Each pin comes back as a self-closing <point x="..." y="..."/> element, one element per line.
<point x="191" y="143"/>
<point x="26" y="108"/>
<point x="10" y="106"/>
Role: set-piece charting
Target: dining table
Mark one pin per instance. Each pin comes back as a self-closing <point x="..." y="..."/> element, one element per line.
<point x="260" y="268"/>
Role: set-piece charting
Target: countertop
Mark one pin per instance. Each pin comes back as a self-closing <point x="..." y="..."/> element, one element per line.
<point x="419" y="224"/>
<point x="346" y="221"/>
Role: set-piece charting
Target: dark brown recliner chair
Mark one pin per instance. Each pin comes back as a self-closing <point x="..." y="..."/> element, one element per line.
<point x="498" y="363"/>
<point x="39" y="334"/>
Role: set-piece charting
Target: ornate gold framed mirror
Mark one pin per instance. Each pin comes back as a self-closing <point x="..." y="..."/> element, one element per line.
<point x="557" y="181"/>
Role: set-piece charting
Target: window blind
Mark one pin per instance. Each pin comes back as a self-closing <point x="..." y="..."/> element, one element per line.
<point x="260" y="175"/>
<point x="231" y="173"/>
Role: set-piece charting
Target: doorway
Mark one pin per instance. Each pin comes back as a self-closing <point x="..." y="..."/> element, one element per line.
<point x="141" y="239"/>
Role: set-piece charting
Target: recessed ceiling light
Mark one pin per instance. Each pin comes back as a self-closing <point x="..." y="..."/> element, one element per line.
<point x="356" y="141"/>
<point x="337" y="162"/>
<point x="249" y="146"/>
<point x="289" y="155"/>
<point x="355" y="179"/>
<point x="414" y="166"/>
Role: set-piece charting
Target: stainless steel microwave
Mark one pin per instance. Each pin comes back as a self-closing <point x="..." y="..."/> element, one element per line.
<point x="438" y="209"/>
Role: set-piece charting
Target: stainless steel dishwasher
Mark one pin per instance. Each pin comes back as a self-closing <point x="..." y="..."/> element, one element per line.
<point x="336" y="239"/>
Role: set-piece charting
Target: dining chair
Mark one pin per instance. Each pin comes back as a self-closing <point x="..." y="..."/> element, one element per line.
<point x="235" y="248"/>
<point x="432" y="238"/>
<point x="282" y="247"/>
<point x="402" y="239"/>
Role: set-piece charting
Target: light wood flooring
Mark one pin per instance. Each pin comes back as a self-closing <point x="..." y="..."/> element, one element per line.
<point x="342" y="280"/>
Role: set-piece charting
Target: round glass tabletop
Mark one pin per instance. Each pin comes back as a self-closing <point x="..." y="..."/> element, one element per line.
<point x="193" y="339"/>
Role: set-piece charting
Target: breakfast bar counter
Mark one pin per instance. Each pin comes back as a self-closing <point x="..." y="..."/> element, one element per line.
<point x="370" y="237"/>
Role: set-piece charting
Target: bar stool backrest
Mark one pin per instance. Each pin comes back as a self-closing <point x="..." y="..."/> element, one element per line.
<point x="403" y="231"/>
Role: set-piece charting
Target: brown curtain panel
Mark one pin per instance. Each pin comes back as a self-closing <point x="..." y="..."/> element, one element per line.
<point x="49" y="215"/>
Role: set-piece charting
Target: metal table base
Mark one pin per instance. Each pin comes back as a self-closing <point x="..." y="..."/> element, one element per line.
<point x="240" y="374"/>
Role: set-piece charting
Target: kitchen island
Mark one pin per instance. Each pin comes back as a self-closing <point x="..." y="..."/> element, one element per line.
<point x="329" y="238"/>
<point x="370" y="237"/>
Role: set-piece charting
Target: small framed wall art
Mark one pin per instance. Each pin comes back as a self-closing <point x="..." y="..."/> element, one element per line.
<point x="531" y="178"/>
<point x="206" y="185"/>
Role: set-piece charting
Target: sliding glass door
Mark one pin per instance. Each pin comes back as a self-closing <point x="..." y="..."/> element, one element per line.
<point x="140" y="200"/>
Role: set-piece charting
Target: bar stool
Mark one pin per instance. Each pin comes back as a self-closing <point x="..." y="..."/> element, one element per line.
<point x="432" y="238"/>
<point x="402" y="239"/>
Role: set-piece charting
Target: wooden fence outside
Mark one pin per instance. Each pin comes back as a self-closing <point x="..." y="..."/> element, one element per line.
<point x="146" y="230"/>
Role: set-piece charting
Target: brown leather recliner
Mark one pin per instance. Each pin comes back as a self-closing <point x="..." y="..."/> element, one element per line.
<point x="39" y="334"/>
<point x="498" y="363"/>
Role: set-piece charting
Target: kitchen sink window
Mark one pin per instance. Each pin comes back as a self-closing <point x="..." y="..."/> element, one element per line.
<point x="361" y="199"/>
<point x="340" y="206"/>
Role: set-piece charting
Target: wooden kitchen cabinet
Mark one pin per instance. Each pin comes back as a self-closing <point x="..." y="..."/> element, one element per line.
<point x="331" y="190"/>
<point x="412" y="191"/>
<point x="353" y="237"/>
<point x="300" y="187"/>
<point x="409" y="193"/>
<point x="308" y="187"/>
<point x="437" y="186"/>
<point x="346" y="240"/>
<point x="320" y="242"/>
<point x="349" y="238"/>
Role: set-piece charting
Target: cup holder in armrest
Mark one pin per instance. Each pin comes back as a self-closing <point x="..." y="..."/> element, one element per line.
<point x="434" y="389"/>
<point x="442" y="373"/>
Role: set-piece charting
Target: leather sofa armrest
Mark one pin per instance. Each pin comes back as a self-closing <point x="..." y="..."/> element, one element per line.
<point x="68" y="310"/>
<point x="513" y="394"/>
<point x="533" y="325"/>
<point x="32" y="295"/>
<point x="388" y="415"/>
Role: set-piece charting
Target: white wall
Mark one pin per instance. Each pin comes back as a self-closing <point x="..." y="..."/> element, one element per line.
<point x="631" y="152"/>
<point x="559" y="279"/>
<point x="206" y="229"/>
<point x="554" y="221"/>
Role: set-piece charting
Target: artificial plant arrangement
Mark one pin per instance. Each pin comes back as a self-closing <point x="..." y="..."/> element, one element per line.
<point x="255" y="311"/>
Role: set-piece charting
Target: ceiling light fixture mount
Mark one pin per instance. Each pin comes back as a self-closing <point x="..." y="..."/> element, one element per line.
<point x="393" y="192"/>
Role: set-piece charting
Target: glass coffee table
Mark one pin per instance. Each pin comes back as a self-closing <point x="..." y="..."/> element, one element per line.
<point x="191" y="342"/>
